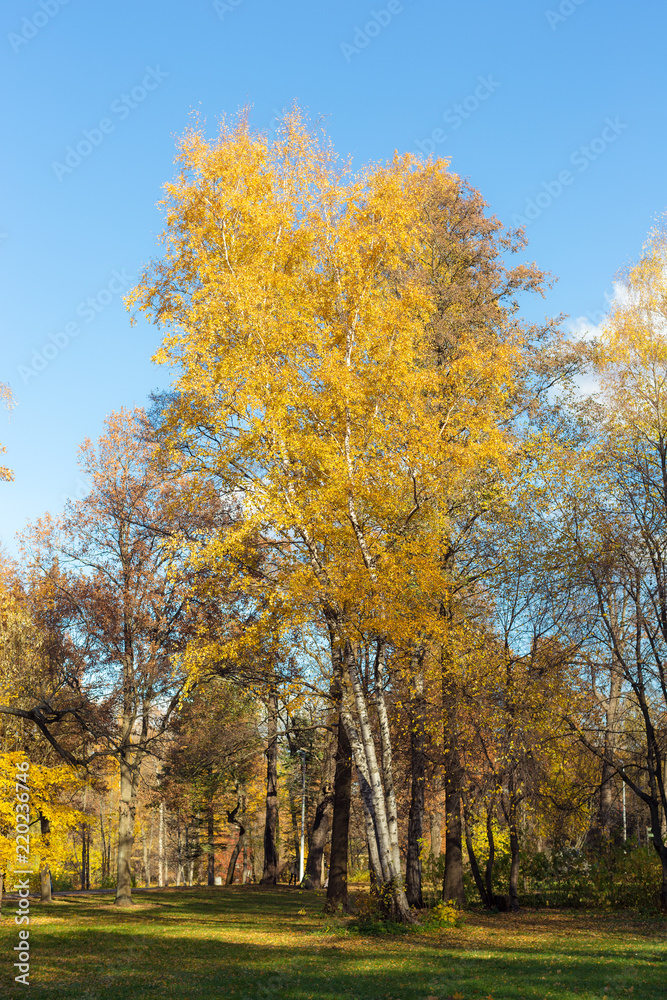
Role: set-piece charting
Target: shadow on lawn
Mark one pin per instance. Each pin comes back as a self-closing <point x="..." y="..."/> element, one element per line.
<point x="249" y="945"/>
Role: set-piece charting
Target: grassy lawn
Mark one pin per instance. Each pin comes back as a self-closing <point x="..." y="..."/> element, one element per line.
<point x="251" y="943"/>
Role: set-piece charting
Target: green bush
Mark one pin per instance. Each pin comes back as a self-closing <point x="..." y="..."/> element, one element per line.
<point x="62" y="882"/>
<point x="613" y="877"/>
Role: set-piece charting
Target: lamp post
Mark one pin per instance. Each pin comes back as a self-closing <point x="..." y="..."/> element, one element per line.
<point x="303" y="816"/>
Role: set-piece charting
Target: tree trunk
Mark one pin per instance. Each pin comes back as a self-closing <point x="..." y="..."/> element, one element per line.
<point x="659" y="846"/>
<point x="295" y="812"/>
<point x="235" y="856"/>
<point x="83" y="857"/>
<point x="210" y="833"/>
<point x="313" y="875"/>
<point x="608" y="769"/>
<point x="337" y="885"/>
<point x="377" y="786"/>
<point x="413" y="868"/>
<point x="160" y="846"/>
<point x="105" y="871"/>
<point x="180" y="870"/>
<point x="387" y="774"/>
<point x="318" y="839"/>
<point x="144" y="844"/>
<point x="87" y="836"/>
<point x="126" y="811"/>
<point x="182" y="853"/>
<point x="45" y="884"/>
<point x="188" y="858"/>
<point x="662" y="853"/>
<point x="86" y="870"/>
<point x="113" y="850"/>
<point x="511" y="814"/>
<point x="452" y="888"/>
<point x="472" y="857"/>
<point x="514" y="869"/>
<point x="606" y="793"/>
<point x="236" y="816"/>
<point x="270" y="873"/>
<point x="488" y="874"/>
<point x="435" y="831"/>
<point x="44" y="870"/>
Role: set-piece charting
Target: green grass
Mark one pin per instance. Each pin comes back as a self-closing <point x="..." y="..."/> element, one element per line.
<point x="251" y="944"/>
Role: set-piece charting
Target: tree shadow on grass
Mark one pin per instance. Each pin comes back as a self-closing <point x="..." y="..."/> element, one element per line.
<point x="254" y="945"/>
<point x="187" y="968"/>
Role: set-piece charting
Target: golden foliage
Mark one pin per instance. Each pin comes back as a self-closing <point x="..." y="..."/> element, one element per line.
<point x="301" y="326"/>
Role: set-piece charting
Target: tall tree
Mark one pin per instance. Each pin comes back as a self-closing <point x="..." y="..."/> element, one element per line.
<point x="121" y="595"/>
<point x="342" y="437"/>
<point x="618" y="521"/>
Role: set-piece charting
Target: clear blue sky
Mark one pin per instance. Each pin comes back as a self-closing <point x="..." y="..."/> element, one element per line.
<point x="516" y="94"/>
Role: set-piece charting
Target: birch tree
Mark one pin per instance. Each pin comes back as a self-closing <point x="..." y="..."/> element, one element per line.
<point x="296" y="315"/>
<point x="621" y="522"/>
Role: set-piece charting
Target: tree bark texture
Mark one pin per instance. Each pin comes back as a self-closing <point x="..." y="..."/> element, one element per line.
<point x="452" y="888"/>
<point x="126" y="812"/>
<point x="342" y="794"/>
<point x="318" y="839"/>
<point x="210" y="836"/>
<point x="236" y="816"/>
<point x="44" y="870"/>
<point x="514" y="853"/>
<point x="413" y="868"/>
<point x="488" y="873"/>
<point x="608" y="769"/>
<point x="270" y="872"/>
<point x="435" y="832"/>
<point x="375" y="778"/>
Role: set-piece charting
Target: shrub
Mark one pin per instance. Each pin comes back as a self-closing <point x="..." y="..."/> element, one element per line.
<point x="613" y="877"/>
<point x="444" y="915"/>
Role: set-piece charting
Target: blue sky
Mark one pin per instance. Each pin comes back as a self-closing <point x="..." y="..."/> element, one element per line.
<point x="555" y="110"/>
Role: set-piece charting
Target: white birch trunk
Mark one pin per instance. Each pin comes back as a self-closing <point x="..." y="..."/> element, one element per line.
<point x="375" y="779"/>
<point x="387" y="768"/>
<point x="366" y="793"/>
